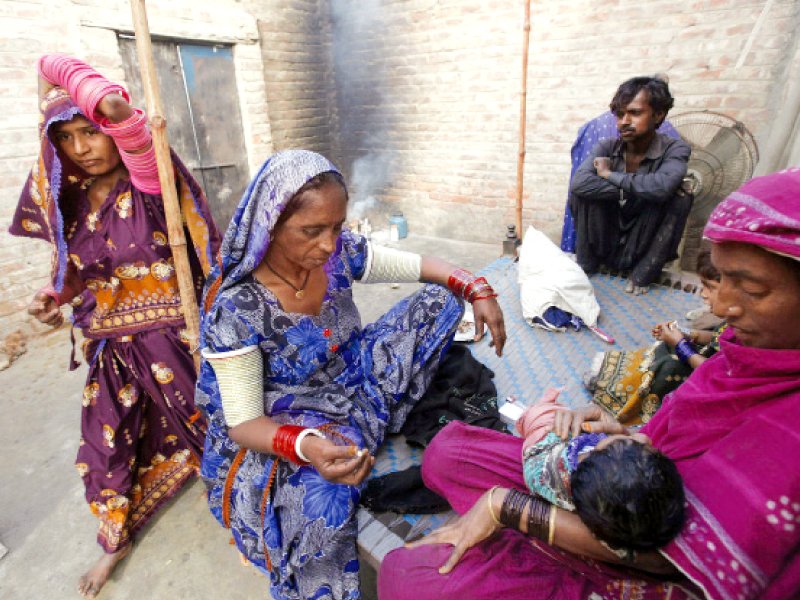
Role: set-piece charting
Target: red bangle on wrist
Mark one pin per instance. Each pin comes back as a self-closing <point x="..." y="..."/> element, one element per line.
<point x="284" y="443"/>
<point x="458" y="281"/>
<point x="465" y="285"/>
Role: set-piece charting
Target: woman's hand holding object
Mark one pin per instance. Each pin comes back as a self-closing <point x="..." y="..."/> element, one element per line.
<point x="337" y="464"/>
<point x="668" y="333"/>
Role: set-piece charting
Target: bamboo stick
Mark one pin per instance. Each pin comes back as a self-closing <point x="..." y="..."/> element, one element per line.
<point x="166" y="176"/>
<point x="523" y="107"/>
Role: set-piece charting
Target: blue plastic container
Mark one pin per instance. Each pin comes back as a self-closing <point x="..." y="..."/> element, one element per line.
<point x="399" y="220"/>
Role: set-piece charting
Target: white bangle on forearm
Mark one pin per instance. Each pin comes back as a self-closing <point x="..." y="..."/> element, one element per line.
<point x="240" y="380"/>
<point x="300" y="437"/>
<point x="388" y="265"/>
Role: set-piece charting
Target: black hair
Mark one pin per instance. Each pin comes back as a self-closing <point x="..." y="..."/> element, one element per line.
<point x="629" y="495"/>
<point x="706" y="268"/>
<point x="297" y="201"/>
<point x="661" y="101"/>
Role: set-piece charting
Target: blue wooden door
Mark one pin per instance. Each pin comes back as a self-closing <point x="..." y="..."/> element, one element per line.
<point x="201" y="105"/>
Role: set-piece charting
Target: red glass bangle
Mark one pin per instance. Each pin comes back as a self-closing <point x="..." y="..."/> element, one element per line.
<point x="465" y="285"/>
<point x="458" y="281"/>
<point x="283" y="442"/>
<point x="469" y="290"/>
<point x="484" y="297"/>
<point x="478" y="287"/>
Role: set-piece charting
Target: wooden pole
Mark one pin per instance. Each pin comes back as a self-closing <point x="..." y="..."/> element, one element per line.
<point x="166" y="176"/>
<point x="523" y="107"/>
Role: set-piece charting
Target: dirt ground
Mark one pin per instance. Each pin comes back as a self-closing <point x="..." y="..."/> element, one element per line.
<point x="45" y="523"/>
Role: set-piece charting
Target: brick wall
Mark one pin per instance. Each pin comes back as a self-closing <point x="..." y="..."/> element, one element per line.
<point x="436" y="86"/>
<point x="24" y="264"/>
<point x="430" y="89"/>
<point x="296" y="51"/>
<point x="422" y="93"/>
<point x="88" y="29"/>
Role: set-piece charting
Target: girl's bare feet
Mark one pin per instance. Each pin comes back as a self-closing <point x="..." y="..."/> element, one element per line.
<point x="95" y="578"/>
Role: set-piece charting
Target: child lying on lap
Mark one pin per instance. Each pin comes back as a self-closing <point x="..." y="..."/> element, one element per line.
<point x="627" y="493"/>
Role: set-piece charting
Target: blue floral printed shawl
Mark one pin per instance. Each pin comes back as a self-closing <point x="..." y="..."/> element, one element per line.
<point x="325" y="371"/>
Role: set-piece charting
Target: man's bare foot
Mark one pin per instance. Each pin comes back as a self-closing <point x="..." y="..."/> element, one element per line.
<point x="95" y="578"/>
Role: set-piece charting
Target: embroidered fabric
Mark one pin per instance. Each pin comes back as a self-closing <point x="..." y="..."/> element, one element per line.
<point x="388" y="265"/>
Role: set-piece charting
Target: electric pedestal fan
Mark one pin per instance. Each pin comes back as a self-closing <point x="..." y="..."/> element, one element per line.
<point x="724" y="154"/>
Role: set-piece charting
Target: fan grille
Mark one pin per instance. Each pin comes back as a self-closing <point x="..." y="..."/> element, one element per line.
<point x="724" y="155"/>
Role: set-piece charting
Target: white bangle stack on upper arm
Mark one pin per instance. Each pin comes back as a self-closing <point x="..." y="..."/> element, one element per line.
<point x="388" y="265"/>
<point x="241" y="385"/>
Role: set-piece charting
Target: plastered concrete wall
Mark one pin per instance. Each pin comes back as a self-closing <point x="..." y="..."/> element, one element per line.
<point x="88" y="29"/>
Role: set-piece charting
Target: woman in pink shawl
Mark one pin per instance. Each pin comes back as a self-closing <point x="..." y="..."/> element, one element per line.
<point x="727" y="428"/>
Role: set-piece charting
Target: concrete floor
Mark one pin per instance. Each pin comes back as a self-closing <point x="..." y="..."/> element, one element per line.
<point x="45" y="523"/>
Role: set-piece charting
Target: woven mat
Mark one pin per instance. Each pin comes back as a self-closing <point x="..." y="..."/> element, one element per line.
<point x="533" y="360"/>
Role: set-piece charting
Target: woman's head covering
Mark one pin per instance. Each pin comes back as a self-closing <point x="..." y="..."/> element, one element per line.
<point x="38" y="212"/>
<point x="249" y="232"/>
<point x="764" y="212"/>
<point x="42" y="204"/>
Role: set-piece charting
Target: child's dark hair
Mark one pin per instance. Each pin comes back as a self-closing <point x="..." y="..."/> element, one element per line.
<point x="296" y="202"/>
<point x="629" y="495"/>
<point x="705" y="268"/>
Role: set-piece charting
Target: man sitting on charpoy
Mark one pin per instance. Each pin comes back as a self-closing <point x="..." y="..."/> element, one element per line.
<point x="626" y="198"/>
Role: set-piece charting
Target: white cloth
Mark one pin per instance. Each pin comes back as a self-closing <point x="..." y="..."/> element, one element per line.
<point x="548" y="277"/>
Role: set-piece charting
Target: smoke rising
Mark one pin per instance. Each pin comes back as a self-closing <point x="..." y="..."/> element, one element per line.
<point x="364" y="116"/>
<point x="369" y="174"/>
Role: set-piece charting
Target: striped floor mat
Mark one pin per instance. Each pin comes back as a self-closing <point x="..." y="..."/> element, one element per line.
<point x="532" y="361"/>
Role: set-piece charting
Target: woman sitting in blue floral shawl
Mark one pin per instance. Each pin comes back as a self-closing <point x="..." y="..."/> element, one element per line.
<point x="298" y="395"/>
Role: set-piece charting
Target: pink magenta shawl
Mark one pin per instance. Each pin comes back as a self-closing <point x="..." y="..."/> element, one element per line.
<point x="731" y="430"/>
<point x="764" y="212"/>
